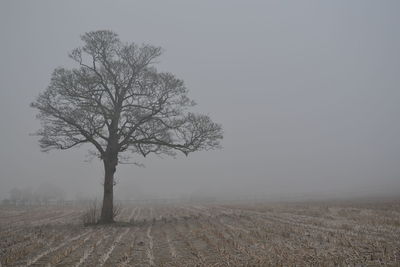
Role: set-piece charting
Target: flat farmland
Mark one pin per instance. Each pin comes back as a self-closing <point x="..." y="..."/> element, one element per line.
<point x="244" y="234"/>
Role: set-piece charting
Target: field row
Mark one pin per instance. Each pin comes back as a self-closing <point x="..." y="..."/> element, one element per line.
<point x="203" y="235"/>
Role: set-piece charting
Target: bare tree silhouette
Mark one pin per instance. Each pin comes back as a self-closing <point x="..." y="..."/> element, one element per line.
<point x="117" y="101"/>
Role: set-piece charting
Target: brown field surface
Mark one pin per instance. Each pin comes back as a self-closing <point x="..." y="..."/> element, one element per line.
<point x="258" y="234"/>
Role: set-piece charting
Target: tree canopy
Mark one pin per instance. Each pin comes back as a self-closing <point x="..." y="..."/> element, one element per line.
<point x="117" y="96"/>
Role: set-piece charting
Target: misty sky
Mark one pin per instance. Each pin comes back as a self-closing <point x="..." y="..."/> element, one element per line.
<point x="308" y="93"/>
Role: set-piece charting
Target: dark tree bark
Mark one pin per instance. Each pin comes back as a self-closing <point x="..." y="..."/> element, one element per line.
<point x="108" y="196"/>
<point x="118" y="102"/>
<point x="110" y="161"/>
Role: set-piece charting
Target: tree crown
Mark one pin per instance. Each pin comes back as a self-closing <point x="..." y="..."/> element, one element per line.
<point x="116" y="100"/>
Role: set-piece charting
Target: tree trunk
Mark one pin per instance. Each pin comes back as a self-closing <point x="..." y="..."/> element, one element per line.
<point x="108" y="197"/>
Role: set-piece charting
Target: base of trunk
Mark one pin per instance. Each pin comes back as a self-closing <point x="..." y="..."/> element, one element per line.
<point x="107" y="215"/>
<point x="106" y="221"/>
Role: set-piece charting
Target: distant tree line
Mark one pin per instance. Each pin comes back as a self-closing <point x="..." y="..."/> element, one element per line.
<point x="45" y="194"/>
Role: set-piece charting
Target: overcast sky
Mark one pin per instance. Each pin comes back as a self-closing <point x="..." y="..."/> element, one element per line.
<point x="307" y="92"/>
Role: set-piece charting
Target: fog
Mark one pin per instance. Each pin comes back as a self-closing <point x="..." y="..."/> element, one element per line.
<point x="307" y="93"/>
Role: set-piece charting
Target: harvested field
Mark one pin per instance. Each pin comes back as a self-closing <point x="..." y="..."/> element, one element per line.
<point x="288" y="234"/>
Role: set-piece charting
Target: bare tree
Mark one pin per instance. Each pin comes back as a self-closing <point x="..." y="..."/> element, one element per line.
<point x="117" y="101"/>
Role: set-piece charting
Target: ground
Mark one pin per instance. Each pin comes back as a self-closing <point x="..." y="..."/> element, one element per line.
<point x="241" y="234"/>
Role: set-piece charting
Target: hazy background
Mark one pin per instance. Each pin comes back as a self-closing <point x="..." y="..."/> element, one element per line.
<point x="307" y="92"/>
